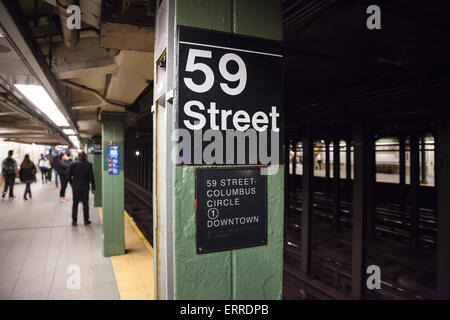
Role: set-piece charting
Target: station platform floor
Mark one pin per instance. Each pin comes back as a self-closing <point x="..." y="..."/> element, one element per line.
<point x="41" y="252"/>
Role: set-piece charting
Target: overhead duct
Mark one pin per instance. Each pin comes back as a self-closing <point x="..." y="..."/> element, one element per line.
<point x="70" y="37"/>
<point x="94" y="93"/>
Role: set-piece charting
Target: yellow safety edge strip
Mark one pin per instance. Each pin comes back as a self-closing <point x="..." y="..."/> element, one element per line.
<point x="139" y="233"/>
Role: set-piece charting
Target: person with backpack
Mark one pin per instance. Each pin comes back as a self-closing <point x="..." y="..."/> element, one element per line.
<point x="44" y="165"/>
<point x="27" y="175"/>
<point x="9" y="172"/>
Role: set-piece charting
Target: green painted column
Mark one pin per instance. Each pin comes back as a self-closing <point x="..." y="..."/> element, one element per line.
<point x="91" y="160"/>
<point x="253" y="273"/>
<point x="113" y="186"/>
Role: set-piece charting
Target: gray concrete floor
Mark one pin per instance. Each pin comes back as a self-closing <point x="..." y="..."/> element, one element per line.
<point x="39" y="249"/>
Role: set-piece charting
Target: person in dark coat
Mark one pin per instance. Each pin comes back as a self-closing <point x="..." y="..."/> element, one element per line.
<point x="50" y="168"/>
<point x="80" y="176"/>
<point x="27" y="175"/>
<point x="9" y="172"/>
<point x="54" y="164"/>
<point x="62" y="167"/>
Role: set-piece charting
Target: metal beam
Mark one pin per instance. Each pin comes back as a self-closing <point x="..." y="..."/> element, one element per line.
<point x="103" y="100"/>
<point x="327" y="165"/>
<point x="23" y="135"/>
<point x="5" y="114"/>
<point x="287" y="185"/>
<point x="336" y="183"/>
<point x="370" y="187"/>
<point x="402" y="170"/>
<point x="348" y="167"/>
<point x="359" y="212"/>
<point x="415" y="185"/>
<point x="307" y="203"/>
<point x="423" y="164"/>
<point x="294" y="162"/>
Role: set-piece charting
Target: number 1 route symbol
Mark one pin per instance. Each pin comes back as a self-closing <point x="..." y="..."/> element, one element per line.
<point x="213" y="213"/>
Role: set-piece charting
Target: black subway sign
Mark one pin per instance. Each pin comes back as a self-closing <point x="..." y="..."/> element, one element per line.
<point x="231" y="209"/>
<point x="229" y="99"/>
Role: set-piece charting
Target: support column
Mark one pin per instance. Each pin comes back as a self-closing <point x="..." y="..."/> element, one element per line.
<point x="359" y="251"/>
<point x="414" y="195"/>
<point x="327" y="167"/>
<point x="371" y="178"/>
<point x="443" y="206"/>
<point x="336" y="183"/>
<point x="294" y="163"/>
<point x="307" y="202"/>
<point x="348" y="168"/>
<point x="287" y="186"/>
<point x="113" y="186"/>
<point x="402" y="171"/>
<point x="180" y="272"/>
<point x="290" y="164"/>
<point x="423" y="166"/>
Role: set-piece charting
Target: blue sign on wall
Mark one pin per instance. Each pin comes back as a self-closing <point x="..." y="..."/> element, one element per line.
<point x="113" y="160"/>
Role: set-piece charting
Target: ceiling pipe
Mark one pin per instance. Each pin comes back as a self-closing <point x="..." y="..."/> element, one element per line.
<point x="93" y="92"/>
<point x="85" y="33"/>
<point x="70" y="37"/>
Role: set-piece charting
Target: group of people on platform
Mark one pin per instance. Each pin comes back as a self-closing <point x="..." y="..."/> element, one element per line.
<point x="78" y="173"/>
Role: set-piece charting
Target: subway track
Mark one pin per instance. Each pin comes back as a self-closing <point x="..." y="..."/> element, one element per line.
<point x="138" y="204"/>
<point x="402" y="276"/>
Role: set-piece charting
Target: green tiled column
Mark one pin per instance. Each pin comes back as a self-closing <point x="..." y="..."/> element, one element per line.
<point x="91" y="158"/>
<point x="253" y="273"/>
<point x="112" y="187"/>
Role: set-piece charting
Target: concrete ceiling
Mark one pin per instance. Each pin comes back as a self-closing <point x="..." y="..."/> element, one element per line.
<point x="107" y="69"/>
<point x="21" y="121"/>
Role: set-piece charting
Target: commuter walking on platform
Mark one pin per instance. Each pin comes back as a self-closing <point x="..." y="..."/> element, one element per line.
<point x="55" y="165"/>
<point x="27" y="175"/>
<point x="80" y="175"/>
<point x="50" y="167"/>
<point x="44" y="165"/>
<point x="9" y="172"/>
<point x="62" y="168"/>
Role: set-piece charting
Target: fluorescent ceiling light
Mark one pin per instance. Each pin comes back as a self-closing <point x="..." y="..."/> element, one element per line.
<point x="75" y="141"/>
<point x="69" y="131"/>
<point x="40" y="98"/>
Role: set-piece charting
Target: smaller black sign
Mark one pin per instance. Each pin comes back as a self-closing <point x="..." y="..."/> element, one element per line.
<point x="231" y="210"/>
<point x="97" y="148"/>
